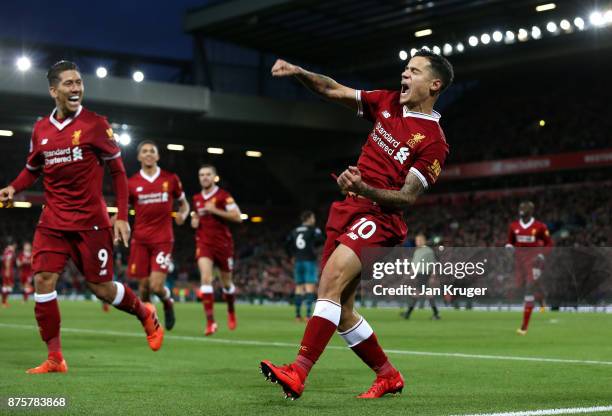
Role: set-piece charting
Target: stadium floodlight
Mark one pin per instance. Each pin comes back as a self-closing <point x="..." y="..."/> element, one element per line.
<point x="138" y="76"/>
<point x="215" y="150"/>
<point x="542" y="123"/>
<point x="413" y="51"/>
<point x="101" y="72"/>
<point x="473" y="41"/>
<point x="447" y="49"/>
<point x="24" y="63"/>
<point x="536" y="33"/>
<point x="6" y="133"/>
<point x="403" y="55"/>
<point x="510" y="36"/>
<point x="256" y="219"/>
<point x="22" y="204"/>
<point x="565" y="25"/>
<point x="436" y="50"/>
<point x="579" y="23"/>
<point x="426" y="48"/>
<point x="551" y="27"/>
<point x="596" y="19"/>
<point x="498" y="36"/>
<point x="460" y="48"/>
<point x="608" y="16"/>
<point x="217" y="178"/>
<point x="422" y="33"/>
<point x="485" y="38"/>
<point x="125" y="139"/>
<point x="244" y="216"/>
<point x="253" y="153"/>
<point x="522" y="35"/>
<point x="175" y="147"/>
<point x="545" y="7"/>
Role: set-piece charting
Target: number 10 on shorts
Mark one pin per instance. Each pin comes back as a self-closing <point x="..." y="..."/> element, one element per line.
<point x="363" y="228"/>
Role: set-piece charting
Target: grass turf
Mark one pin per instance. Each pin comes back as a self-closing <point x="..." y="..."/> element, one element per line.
<point x="114" y="372"/>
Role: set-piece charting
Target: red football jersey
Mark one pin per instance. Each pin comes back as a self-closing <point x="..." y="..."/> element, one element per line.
<point x="401" y="141"/>
<point x="25" y="264"/>
<point x="531" y="234"/>
<point x="71" y="154"/>
<point x="8" y="256"/>
<point x="153" y="199"/>
<point x="212" y="228"/>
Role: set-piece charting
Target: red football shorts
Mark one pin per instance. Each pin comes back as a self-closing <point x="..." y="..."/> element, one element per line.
<point x="91" y="251"/>
<point x="221" y="254"/>
<point x="147" y="258"/>
<point x="523" y="271"/>
<point x="8" y="281"/>
<point x="26" y="278"/>
<point x="360" y="223"/>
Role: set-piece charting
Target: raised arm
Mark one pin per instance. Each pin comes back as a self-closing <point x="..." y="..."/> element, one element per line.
<point x="350" y="181"/>
<point x="321" y="85"/>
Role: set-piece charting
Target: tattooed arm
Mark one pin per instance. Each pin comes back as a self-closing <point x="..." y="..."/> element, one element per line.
<point x="350" y="181"/>
<point x="317" y="83"/>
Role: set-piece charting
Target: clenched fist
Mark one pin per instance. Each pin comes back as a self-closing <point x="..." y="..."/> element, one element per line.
<point x="284" y="69"/>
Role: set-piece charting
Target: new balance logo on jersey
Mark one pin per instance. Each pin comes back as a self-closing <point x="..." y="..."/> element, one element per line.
<point x="386" y="114"/>
<point x="44" y="141"/>
<point x="402" y="154"/>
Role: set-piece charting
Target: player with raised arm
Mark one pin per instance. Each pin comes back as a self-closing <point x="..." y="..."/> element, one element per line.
<point x="402" y="157"/>
<point x="531" y="241"/>
<point x="301" y="244"/>
<point x="70" y="149"/>
<point x="24" y="265"/>
<point x="152" y="194"/>
<point x="214" y="208"/>
<point x="8" y="270"/>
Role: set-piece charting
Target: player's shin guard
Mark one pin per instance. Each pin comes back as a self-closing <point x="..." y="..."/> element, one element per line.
<point x="319" y="331"/>
<point x="362" y="340"/>
<point x="48" y="318"/>
<point x="125" y="300"/>
<point x="298" y="305"/>
<point x="528" y="308"/>
<point x="208" y="301"/>
<point x="230" y="297"/>
<point x="310" y="298"/>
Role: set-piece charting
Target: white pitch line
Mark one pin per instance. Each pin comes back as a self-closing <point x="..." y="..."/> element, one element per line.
<point x="544" y="412"/>
<point x="333" y="347"/>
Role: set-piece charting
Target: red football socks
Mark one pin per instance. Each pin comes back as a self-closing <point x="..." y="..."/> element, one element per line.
<point x="527" y="314"/>
<point x="362" y="340"/>
<point x="48" y="318"/>
<point x="127" y="301"/>
<point x="319" y="331"/>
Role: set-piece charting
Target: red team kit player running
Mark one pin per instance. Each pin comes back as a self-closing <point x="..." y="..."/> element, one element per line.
<point x="70" y="149"/>
<point x="402" y="157"/>
<point x="152" y="194"/>
<point x="24" y="265"/>
<point x="213" y="209"/>
<point x="530" y="241"/>
<point x="9" y="256"/>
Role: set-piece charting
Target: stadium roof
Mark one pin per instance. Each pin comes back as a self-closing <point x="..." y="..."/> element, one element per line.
<point x="366" y="36"/>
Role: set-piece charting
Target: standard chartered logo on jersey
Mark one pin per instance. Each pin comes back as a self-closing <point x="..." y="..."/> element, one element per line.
<point x="65" y="155"/>
<point x="389" y="144"/>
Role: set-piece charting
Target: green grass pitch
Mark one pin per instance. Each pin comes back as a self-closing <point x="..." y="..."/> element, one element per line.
<point x="112" y="371"/>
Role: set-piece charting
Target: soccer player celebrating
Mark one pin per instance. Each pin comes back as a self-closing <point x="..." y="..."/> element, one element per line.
<point x="301" y="243"/>
<point x="70" y="148"/>
<point x="152" y="194"/>
<point x="24" y="264"/>
<point x="531" y="241"/>
<point x="214" y="209"/>
<point x="8" y="271"/>
<point x="402" y="157"/>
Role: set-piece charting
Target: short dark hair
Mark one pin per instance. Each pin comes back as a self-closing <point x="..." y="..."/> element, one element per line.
<point x="142" y="143"/>
<point x="440" y="67"/>
<point x="53" y="74"/>
<point x="208" y="166"/>
<point x="305" y="215"/>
